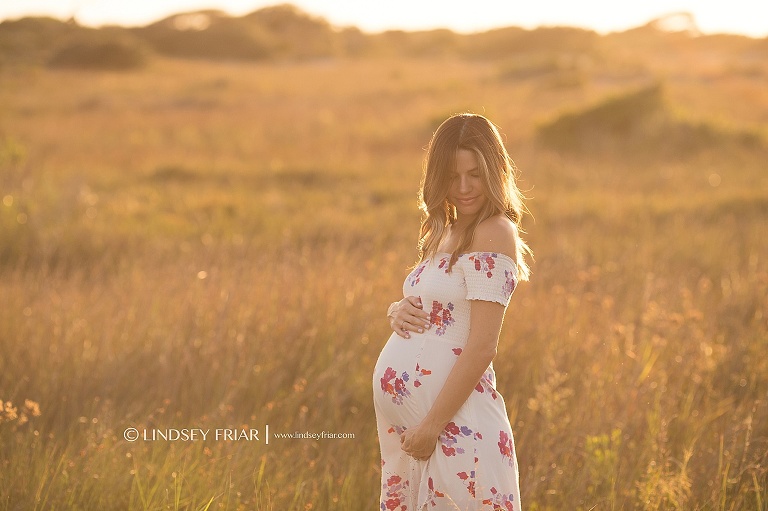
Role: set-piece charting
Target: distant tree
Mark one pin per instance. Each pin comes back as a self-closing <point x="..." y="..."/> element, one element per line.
<point x="213" y="35"/>
<point x="31" y="40"/>
<point x="295" y="33"/>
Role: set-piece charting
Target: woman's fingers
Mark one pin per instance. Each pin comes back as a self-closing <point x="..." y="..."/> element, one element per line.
<point x="414" y="300"/>
<point x="402" y="326"/>
<point x="417" y="309"/>
<point x="399" y="327"/>
<point x="411" y="447"/>
<point x="409" y="317"/>
<point x="416" y="317"/>
<point x="412" y="323"/>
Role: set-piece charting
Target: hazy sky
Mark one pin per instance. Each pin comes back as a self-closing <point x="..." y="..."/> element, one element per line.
<point x="749" y="17"/>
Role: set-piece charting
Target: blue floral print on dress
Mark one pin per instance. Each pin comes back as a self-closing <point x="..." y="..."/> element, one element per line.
<point x="509" y="283"/>
<point x="414" y="276"/>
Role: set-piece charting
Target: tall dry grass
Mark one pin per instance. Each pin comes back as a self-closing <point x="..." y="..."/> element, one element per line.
<point x="214" y="246"/>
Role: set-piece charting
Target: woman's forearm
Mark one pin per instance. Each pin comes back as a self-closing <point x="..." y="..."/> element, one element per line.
<point x="461" y="382"/>
<point x="476" y="356"/>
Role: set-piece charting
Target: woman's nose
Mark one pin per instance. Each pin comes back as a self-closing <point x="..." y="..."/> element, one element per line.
<point x="464" y="184"/>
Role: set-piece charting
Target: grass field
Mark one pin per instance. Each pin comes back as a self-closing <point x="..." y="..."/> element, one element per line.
<point x="214" y="245"/>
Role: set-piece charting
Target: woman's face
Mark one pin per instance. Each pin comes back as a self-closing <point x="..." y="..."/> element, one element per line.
<point x="467" y="192"/>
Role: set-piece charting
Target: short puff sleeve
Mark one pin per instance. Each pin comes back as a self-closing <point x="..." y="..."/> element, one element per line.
<point x="489" y="276"/>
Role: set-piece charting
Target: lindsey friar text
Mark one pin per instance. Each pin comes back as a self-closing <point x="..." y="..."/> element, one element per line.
<point x="196" y="434"/>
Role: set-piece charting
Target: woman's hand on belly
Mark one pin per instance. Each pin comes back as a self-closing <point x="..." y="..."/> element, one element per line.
<point x="408" y="315"/>
<point x="419" y="442"/>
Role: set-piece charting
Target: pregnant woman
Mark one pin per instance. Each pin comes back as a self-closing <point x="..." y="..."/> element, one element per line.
<point x="446" y="441"/>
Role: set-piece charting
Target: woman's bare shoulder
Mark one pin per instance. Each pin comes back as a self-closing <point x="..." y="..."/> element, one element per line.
<point x="496" y="234"/>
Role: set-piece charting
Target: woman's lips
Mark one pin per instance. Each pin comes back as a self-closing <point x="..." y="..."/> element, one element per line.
<point x="466" y="202"/>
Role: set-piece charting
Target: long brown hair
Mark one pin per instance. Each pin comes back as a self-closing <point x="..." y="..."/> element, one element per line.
<point x="477" y="134"/>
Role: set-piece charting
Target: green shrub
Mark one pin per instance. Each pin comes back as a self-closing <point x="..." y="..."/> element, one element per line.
<point x="640" y="124"/>
<point x="100" y="53"/>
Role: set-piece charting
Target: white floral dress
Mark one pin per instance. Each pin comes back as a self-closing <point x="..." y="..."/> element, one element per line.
<point x="473" y="467"/>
